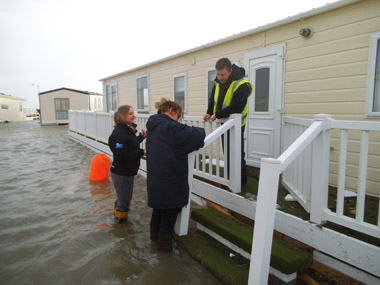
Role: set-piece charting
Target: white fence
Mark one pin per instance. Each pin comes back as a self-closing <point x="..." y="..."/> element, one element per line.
<point x="209" y="163"/>
<point x="296" y="178"/>
<point x="92" y="128"/>
<point x="310" y="151"/>
<point x="95" y="125"/>
<point x="338" y="216"/>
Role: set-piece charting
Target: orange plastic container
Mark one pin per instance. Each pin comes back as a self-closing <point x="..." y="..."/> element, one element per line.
<point x="100" y="165"/>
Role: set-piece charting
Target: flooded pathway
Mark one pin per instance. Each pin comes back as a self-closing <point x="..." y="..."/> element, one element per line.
<point x="57" y="228"/>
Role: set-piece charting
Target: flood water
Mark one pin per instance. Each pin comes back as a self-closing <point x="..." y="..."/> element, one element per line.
<point x="57" y="228"/>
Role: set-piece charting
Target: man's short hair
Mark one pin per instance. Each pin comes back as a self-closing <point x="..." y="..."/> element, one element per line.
<point x="223" y="63"/>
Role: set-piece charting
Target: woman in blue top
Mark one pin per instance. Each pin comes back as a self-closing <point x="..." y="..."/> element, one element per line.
<point x="168" y="145"/>
<point x="125" y="146"/>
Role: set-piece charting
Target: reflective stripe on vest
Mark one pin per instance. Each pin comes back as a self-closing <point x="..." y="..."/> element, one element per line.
<point x="229" y="94"/>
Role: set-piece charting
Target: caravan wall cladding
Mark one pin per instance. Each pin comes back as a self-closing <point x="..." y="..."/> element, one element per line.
<point x="325" y="73"/>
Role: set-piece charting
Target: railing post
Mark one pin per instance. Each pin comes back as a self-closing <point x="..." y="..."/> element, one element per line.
<point x="235" y="154"/>
<point x="182" y="223"/>
<point x="96" y="125"/>
<point x="76" y="121"/>
<point x="264" y="221"/>
<point x="85" y="123"/>
<point x="320" y="170"/>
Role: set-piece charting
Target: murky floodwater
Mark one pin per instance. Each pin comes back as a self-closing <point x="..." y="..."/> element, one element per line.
<point x="57" y="228"/>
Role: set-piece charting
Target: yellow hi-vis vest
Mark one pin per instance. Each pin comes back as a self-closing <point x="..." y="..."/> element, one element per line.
<point x="230" y="92"/>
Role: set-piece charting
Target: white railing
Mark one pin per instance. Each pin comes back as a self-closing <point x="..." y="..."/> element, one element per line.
<point x="233" y="180"/>
<point x="140" y="121"/>
<point x="338" y="216"/>
<point x="267" y="196"/>
<point x="210" y="162"/>
<point x="297" y="177"/>
<point x="317" y="138"/>
<point x="91" y="124"/>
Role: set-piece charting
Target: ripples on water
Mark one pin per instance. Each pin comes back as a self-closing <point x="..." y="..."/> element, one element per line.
<point x="57" y="228"/>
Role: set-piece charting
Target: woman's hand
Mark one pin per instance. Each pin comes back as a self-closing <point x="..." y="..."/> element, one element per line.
<point x="143" y="133"/>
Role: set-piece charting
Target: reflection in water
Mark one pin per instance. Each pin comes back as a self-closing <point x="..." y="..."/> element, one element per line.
<point x="57" y="227"/>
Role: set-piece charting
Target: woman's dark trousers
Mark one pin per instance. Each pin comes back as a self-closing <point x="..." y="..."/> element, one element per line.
<point x="161" y="227"/>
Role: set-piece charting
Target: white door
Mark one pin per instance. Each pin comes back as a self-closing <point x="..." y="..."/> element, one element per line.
<point x="263" y="130"/>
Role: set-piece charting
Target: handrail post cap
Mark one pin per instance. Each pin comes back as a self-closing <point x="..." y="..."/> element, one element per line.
<point x="322" y="116"/>
<point x="270" y="160"/>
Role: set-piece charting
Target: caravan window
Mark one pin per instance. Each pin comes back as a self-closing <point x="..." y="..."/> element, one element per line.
<point x="111" y="97"/>
<point x="180" y="90"/>
<point x="211" y="75"/>
<point x="62" y="107"/>
<point x="143" y="94"/>
<point x="373" y="80"/>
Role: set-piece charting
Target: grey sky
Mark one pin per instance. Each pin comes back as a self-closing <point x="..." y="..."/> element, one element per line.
<point x="74" y="43"/>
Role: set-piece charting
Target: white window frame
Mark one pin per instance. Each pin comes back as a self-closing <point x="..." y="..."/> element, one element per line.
<point x="143" y="111"/>
<point x="207" y="93"/>
<point x="113" y="108"/>
<point x="185" y="83"/>
<point x="373" y="46"/>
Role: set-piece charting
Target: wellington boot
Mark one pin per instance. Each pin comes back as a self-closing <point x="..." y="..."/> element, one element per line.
<point x="165" y="242"/>
<point x="120" y="217"/>
<point x="121" y="220"/>
<point x="153" y="233"/>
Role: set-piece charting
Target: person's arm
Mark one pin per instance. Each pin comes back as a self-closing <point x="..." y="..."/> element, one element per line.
<point x="188" y="139"/>
<point x="238" y="102"/>
<point x="210" y="106"/>
<point x="141" y="136"/>
<point x="122" y="151"/>
<point x="126" y="153"/>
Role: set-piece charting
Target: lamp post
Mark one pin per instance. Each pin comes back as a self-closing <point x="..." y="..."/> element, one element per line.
<point x="39" y="103"/>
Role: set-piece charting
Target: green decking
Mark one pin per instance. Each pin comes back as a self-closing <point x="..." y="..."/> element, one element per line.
<point x="283" y="258"/>
<point x="216" y="257"/>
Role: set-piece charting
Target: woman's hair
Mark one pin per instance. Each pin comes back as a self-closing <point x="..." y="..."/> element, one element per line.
<point x="122" y="110"/>
<point x="165" y="105"/>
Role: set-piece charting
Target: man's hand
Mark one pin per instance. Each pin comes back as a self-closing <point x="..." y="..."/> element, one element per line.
<point x="213" y="118"/>
<point x="206" y="117"/>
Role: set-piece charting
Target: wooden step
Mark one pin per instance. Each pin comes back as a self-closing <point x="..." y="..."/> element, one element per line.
<point x="285" y="262"/>
<point x="216" y="257"/>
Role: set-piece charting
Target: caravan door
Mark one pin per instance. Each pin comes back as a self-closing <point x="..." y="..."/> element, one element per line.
<point x="265" y="69"/>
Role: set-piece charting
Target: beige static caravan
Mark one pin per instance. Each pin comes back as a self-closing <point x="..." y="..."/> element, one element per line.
<point x="11" y="108"/>
<point x="326" y="60"/>
<point x="55" y="104"/>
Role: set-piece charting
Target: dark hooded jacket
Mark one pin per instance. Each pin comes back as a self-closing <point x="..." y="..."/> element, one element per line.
<point x="125" y="146"/>
<point x="239" y="99"/>
<point x="168" y="145"/>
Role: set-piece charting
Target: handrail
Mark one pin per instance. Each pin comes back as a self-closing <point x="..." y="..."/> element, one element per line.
<point x="271" y="170"/>
<point x="291" y="153"/>
<point x="218" y="132"/>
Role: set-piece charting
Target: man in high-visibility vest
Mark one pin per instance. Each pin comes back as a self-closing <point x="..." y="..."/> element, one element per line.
<point x="229" y="96"/>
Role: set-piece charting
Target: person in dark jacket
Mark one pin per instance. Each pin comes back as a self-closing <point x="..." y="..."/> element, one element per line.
<point x="168" y="145"/>
<point x="229" y="96"/>
<point x="125" y="146"/>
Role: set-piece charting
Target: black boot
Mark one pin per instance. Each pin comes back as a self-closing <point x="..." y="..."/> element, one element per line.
<point x="165" y="242"/>
<point x="153" y="233"/>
